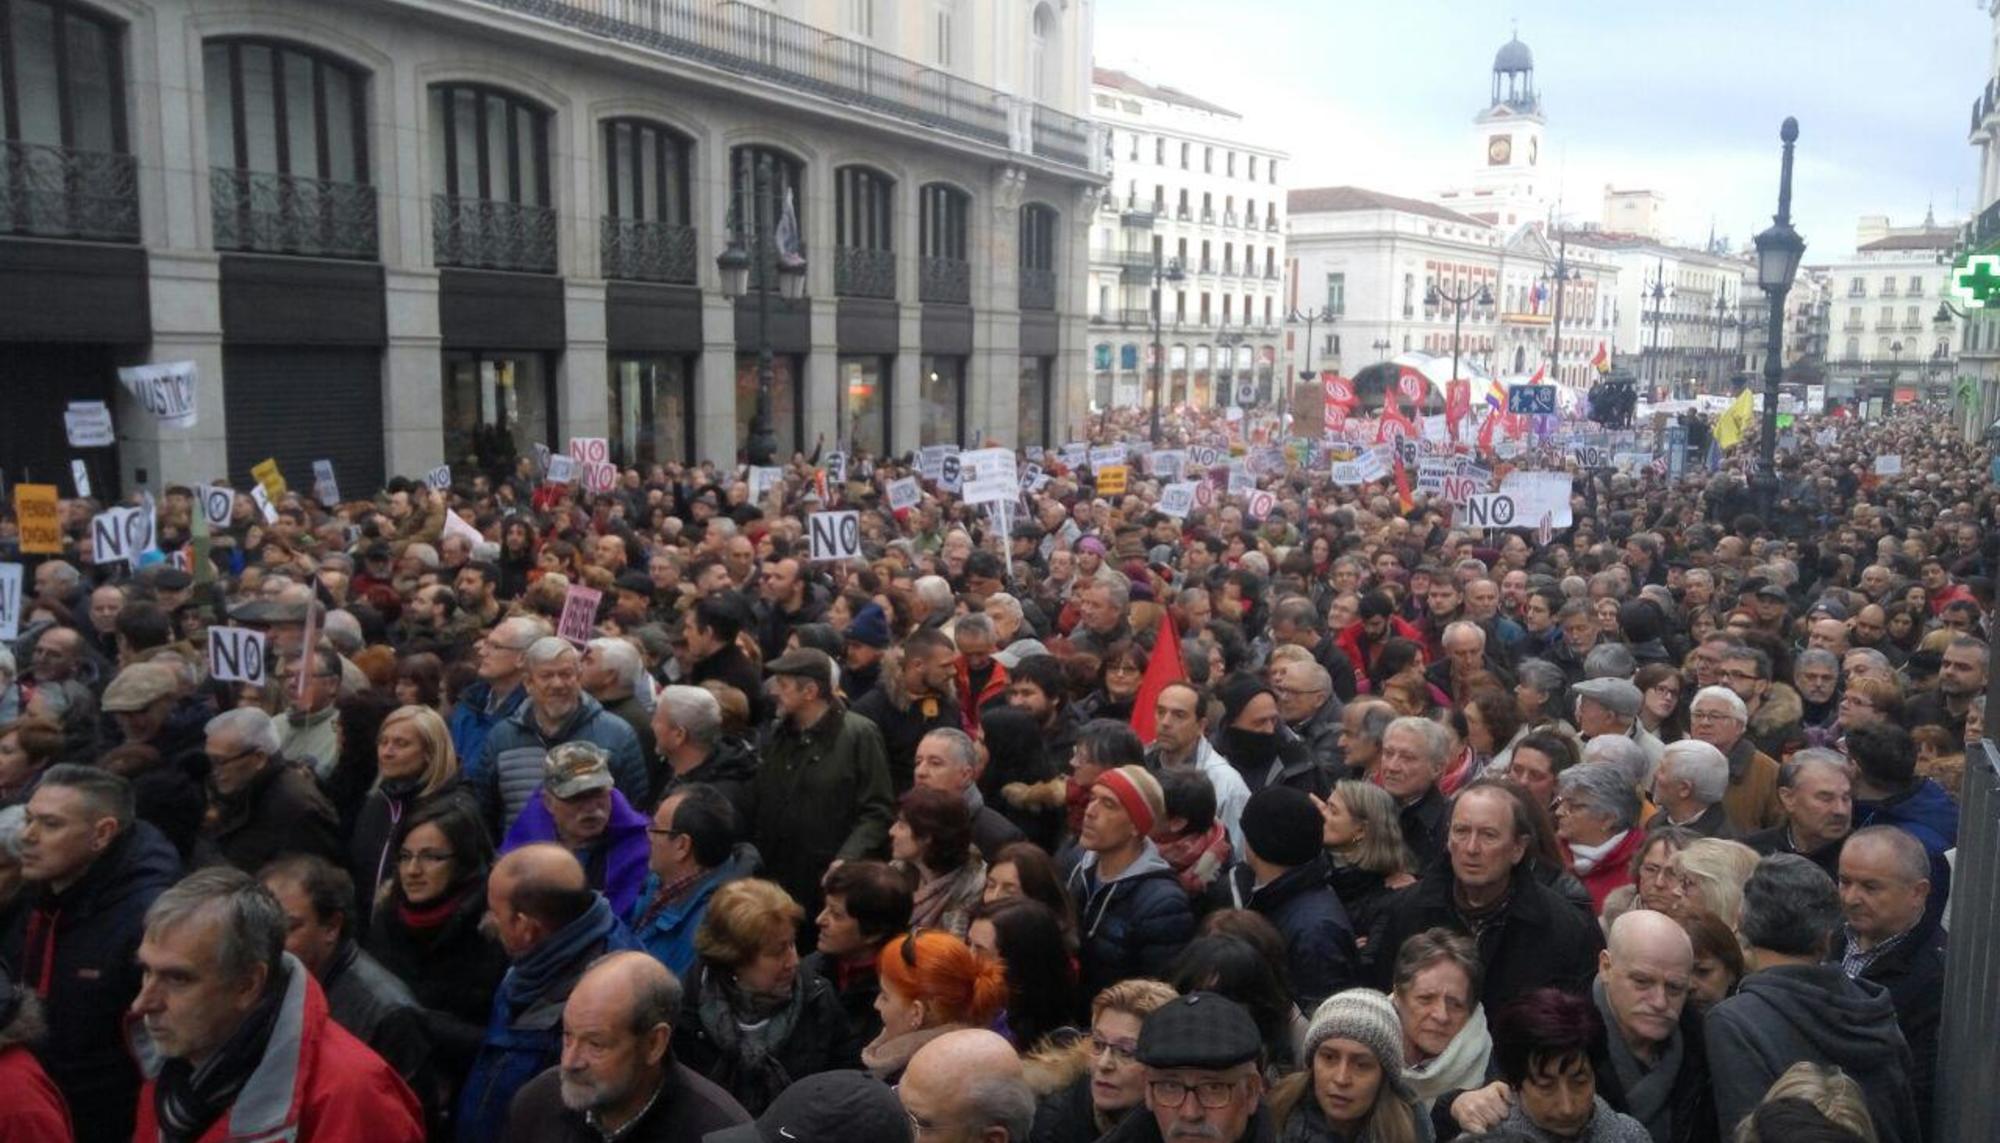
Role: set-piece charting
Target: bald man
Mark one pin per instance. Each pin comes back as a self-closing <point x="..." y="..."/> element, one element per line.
<point x="618" y="1077"/>
<point x="552" y="924"/>
<point x="967" y="1087"/>
<point x="1658" y="1066"/>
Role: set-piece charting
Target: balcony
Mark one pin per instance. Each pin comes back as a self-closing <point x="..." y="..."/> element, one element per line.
<point x="1271" y="224"/>
<point x="642" y="250"/>
<point x="748" y="40"/>
<point x="1038" y="289"/>
<point x="859" y="273"/>
<point x="1984" y="229"/>
<point x="269" y="213"/>
<point x="944" y="280"/>
<point x="1982" y="104"/>
<point x="56" y="192"/>
<point x="485" y="235"/>
<point x="1270" y="273"/>
<point x="1208" y="218"/>
<point x="1229" y="219"/>
<point x="1139" y="215"/>
<point x="1207" y="266"/>
<point x="1141" y="318"/>
<point x="1181" y="212"/>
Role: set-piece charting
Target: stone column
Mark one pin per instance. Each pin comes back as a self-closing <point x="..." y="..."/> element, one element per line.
<point x="413" y="372"/>
<point x="995" y="367"/>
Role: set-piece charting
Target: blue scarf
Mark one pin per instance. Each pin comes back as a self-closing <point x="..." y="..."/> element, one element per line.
<point x="557" y="957"/>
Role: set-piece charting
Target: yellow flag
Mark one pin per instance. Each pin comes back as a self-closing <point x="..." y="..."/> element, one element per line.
<point x="1734" y="423"/>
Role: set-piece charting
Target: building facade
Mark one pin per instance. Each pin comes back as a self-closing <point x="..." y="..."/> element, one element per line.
<point x="1976" y="338"/>
<point x="417" y="231"/>
<point x="1885" y="342"/>
<point x="1195" y="211"/>
<point x="1677" y="324"/>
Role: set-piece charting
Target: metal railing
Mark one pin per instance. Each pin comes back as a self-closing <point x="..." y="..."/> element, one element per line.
<point x="750" y="40"/>
<point x="1983" y="229"/>
<point x="486" y="235"/>
<point x="270" y="213"/>
<point x="861" y="273"/>
<point x="1982" y="104"/>
<point x="1038" y="289"/>
<point x="645" y="250"/>
<point x="57" y="192"/>
<point x="947" y="280"/>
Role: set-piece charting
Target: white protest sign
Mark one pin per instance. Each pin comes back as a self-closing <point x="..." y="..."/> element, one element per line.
<point x="264" y="504"/>
<point x="1827" y="437"/>
<point x="1204" y="494"/>
<point x="590" y="450"/>
<point x="1105" y="456"/>
<point x="1537" y="492"/>
<point x="930" y="460"/>
<point x="542" y="455"/>
<point x="561" y="469"/>
<point x="1890" y="464"/>
<point x="120" y="534"/>
<point x="599" y="476"/>
<point x="579" y="614"/>
<point x="836" y="467"/>
<point x="1073" y="454"/>
<point x="987" y="475"/>
<point x="167" y="391"/>
<point x="1459" y="489"/>
<point x="1436" y="429"/>
<point x="79" y="475"/>
<point x="1167" y="464"/>
<point x="455" y="525"/>
<point x="1241" y="482"/>
<point x="1371" y="465"/>
<point x="1489" y="510"/>
<point x="835" y="535"/>
<point x="438" y="479"/>
<point x="1032" y="477"/>
<point x="904" y="494"/>
<point x="236" y="655"/>
<point x="1431" y="473"/>
<point x="1348" y="472"/>
<point x="88" y="425"/>
<point x="218" y="504"/>
<point x="1177" y="499"/>
<point x="763" y="478"/>
<point x="1588" y="456"/>
<point x="1204" y="456"/>
<point x="951" y="473"/>
<point x="1260" y="504"/>
<point x="10" y="602"/>
<point x="325" y="488"/>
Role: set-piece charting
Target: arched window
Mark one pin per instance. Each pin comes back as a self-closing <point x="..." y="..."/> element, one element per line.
<point x="490" y="180"/>
<point x="646" y="232"/>
<point x="944" y="274"/>
<point x="287" y="150"/>
<point x="64" y="170"/>
<point x="1038" y="257"/>
<point x="788" y="176"/>
<point x="1041" y="53"/>
<point x="864" y="223"/>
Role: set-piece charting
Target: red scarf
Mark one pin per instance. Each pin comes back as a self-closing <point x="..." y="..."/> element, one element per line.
<point x="424" y="918"/>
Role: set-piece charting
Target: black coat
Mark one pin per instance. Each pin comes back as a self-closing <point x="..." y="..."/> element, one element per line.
<point x="370" y="861"/>
<point x="1424" y="822"/>
<point x="857" y="999"/>
<point x="903" y="729"/>
<point x="1319" y="937"/>
<point x="1539" y="940"/>
<point x="374" y="1004"/>
<point x="730" y="665"/>
<point x="818" y="1042"/>
<point x="453" y="971"/>
<point x="1913" y="972"/>
<point x="281" y="811"/>
<point x="688" y="1108"/>
<point x="93" y="976"/>
<point x="731" y="768"/>
<point x="1366" y="897"/>
<point x="1133" y="925"/>
<point x="1692" y="1101"/>
<point x="1067" y="1115"/>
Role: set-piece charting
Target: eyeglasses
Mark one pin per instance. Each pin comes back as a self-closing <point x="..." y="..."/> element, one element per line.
<point x="1664" y="689"/>
<point x="423" y="857"/>
<point x="1741" y="676"/>
<point x="1124" y="1051"/>
<point x="665" y="831"/>
<point x="1711" y="716"/>
<point x="1211" y="1094"/>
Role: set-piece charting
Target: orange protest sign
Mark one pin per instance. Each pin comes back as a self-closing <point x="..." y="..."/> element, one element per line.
<point x="41" y="528"/>
<point x="1111" y="480"/>
<point x="271" y="477"/>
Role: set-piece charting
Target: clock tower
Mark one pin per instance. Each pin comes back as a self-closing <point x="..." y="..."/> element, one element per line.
<point x="1508" y="185"/>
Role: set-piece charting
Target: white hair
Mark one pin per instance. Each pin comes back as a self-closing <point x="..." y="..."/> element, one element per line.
<point x="935" y="591"/>
<point x="1737" y="710"/>
<point x="1700" y="765"/>
<point x="546" y="650"/>
<point x="1461" y="627"/>
<point x="624" y="662"/>
<point x="343" y="630"/>
<point x="1008" y="604"/>
<point x="693" y="709"/>
<point x="423" y="554"/>
<point x="248" y="727"/>
<point x="1622" y="752"/>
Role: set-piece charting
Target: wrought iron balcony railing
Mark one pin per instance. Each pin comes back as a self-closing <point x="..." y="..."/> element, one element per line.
<point x="859" y="273"/>
<point x="481" y="234"/>
<point x="57" y="192"/>
<point x="644" y="250"/>
<point x="1038" y="289"/>
<point x="270" y="213"/>
<point x="946" y="280"/>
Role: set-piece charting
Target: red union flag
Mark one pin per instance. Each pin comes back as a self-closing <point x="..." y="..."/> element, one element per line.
<point x="1457" y="404"/>
<point x="1336" y="419"/>
<point x="1339" y="391"/>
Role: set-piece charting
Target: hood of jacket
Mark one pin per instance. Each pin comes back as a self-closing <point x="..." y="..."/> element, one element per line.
<point x="1245" y="894"/>
<point x="1850" y="1024"/>
<point x="1925" y="804"/>
<point x="731" y="760"/>
<point x="1783" y="708"/>
<point x="1148" y="863"/>
<point x="587" y="708"/>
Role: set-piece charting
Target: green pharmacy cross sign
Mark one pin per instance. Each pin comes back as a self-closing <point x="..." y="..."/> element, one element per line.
<point x="1977" y="281"/>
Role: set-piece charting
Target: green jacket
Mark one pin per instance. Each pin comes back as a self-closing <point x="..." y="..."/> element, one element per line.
<point x="822" y="796"/>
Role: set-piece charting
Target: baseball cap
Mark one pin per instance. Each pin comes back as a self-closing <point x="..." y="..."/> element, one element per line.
<point x="576" y="768"/>
<point x="828" y="1107"/>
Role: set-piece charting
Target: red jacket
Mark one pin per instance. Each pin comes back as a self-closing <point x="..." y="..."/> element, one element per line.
<point x="334" y="1090"/>
<point x="1950" y="593"/>
<point x="1613" y="870"/>
<point x="969" y="703"/>
<point x="1349" y="642"/>
<point x="33" y="1110"/>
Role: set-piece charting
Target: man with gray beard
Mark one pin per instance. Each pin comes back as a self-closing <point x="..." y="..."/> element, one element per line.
<point x="618" y="1078"/>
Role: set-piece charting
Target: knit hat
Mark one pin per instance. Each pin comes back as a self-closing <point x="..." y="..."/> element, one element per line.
<point x="869" y="627"/>
<point x="1366" y="1017"/>
<point x="1139" y="792"/>
<point x="1236" y="691"/>
<point x="1281" y="826"/>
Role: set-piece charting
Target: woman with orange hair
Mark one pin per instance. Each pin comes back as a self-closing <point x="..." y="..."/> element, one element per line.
<point x="932" y="983"/>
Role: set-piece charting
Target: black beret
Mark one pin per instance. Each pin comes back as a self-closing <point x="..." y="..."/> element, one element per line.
<point x="1199" y="1030"/>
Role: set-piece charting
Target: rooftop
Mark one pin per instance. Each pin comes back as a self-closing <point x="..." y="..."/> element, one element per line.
<point x="1937" y="238"/>
<point x="1336" y="200"/>
<point x="1131" y="85"/>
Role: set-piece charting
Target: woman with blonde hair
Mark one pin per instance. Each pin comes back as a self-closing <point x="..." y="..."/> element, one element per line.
<point x="1830" y="1092"/>
<point x="932" y="983"/>
<point x="1085" y="1088"/>
<point x="415" y="767"/>
<point x="1364" y="845"/>
<point x="1712" y="873"/>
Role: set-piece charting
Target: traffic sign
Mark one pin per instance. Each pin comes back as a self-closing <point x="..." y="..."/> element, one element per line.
<point x="1532" y="400"/>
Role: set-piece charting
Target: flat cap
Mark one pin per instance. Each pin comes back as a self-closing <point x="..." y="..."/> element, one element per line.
<point x="266" y="611"/>
<point x="805" y="663"/>
<point x="140" y="686"/>
<point x="1616" y="695"/>
<point x="1199" y="1030"/>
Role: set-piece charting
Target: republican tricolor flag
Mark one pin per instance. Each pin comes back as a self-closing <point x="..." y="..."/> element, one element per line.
<point x="1602" y="361"/>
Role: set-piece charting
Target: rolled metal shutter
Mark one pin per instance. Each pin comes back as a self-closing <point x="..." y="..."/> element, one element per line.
<point x="303" y="405"/>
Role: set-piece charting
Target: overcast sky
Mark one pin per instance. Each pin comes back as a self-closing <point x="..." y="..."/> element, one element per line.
<point x="1683" y="98"/>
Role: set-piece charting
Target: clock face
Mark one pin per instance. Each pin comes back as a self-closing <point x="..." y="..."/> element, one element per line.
<point x="1499" y="150"/>
<point x="1534" y="150"/>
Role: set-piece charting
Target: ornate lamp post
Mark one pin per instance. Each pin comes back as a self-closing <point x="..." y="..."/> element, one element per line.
<point x="1321" y="316"/>
<point x="1481" y="298"/>
<point x="1779" y="251"/>
<point x="1168" y="271"/>
<point x="1559" y="279"/>
<point x="1657" y="291"/>
<point x="753" y="223"/>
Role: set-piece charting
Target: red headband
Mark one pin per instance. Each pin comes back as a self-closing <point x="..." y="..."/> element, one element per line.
<point x="1128" y="796"/>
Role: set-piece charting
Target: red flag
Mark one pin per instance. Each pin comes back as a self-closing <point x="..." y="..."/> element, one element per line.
<point x="1486" y="430"/>
<point x="1403" y="496"/>
<point x="1163" y="667"/>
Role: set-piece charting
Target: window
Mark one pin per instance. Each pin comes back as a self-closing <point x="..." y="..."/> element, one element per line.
<point x="1226" y="306"/>
<point x="1135" y="147"/>
<point x="62" y="81"/>
<point x="1857" y="288"/>
<point x="1910" y="319"/>
<point x="288" y="148"/>
<point x="1160" y="151"/>
<point x="1180" y="306"/>
<point x="1854" y="317"/>
<point x="1038" y="257"/>
<point x="1272" y="172"/>
<point x="1916" y="285"/>
<point x="1336" y="294"/>
<point x="1229" y="164"/>
<point x="1888" y="287"/>
<point x="788" y="184"/>
<point x="1032" y="416"/>
<point x="651" y="409"/>
<point x="489" y="156"/>
<point x="942" y="400"/>
<point x="1204" y="307"/>
<point x="864" y="260"/>
<point x="1041" y="50"/>
<point x="861" y="18"/>
<point x="1185" y="148"/>
<point x="1208" y="160"/>
<point x="1183" y="206"/>
<point x="1887" y="317"/>
<point x="941" y="217"/>
<point x="1253" y="168"/>
<point x="941" y="37"/>
<point x="864" y="407"/>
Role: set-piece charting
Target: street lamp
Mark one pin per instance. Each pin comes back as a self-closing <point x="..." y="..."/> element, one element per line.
<point x="1163" y="272"/>
<point x="1779" y="251"/>
<point x="1434" y="297"/>
<point x="1659" y="292"/>
<point x="1560" y="278"/>
<point x="754" y="214"/>
<point x="1382" y="346"/>
<point x="1323" y="315"/>
<point x="1724" y="320"/>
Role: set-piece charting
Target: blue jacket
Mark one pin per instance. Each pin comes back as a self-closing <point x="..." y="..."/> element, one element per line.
<point x="524" y="1031"/>
<point x="510" y="767"/>
<point x="616" y="865"/>
<point x="1319" y="938"/>
<point x="1927" y="813"/>
<point x="470" y="722"/>
<point x="1132" y="925"/>
<point x="669" y="936"/>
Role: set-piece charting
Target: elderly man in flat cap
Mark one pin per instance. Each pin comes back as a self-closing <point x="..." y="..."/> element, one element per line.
<point x="1611" y="706"/>
<point x="1204" y="1080"/>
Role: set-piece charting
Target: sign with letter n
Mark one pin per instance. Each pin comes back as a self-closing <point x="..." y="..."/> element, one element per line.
<point x="835" y="535"/>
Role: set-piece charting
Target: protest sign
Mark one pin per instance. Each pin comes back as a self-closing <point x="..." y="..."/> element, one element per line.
<point x="10" y="602"/>
<point x="270" y="477"/>
<point x="326" y="489"/>
<point x="600" y="476"/>
<point x="1111" y="480"/>
<point x="1074" y="454"/>
<point x="579" y="614"/>
<point x="455" y="525"/>
<point x="264" y="505"/>
<point x="930" y="460"/>
<point x="88" y="425"/>
<point x="1347" y="473"/>
<point x="1890" y="464"/>
<point x="835" y="535"/>
<point x="1537" y="492"/>
<point x="1204" y="456"/>
<point x="987" y="475"/>
<point x="561" y="469"/>
<point x="1105" y="456"/>
<point x="167" y="391"/>
<point x="438" y="479"/>
<point x="835" y="465"/>
<point x="1241" y="482"/>
<point x="237" y="655"/>
<point x="1259" y="504"/>
<point x="120" y="534"/>
<point x="763" y="478"/>
<point x="590" y="450"/>
<point x="217" y="503"/>
<point x="79" y="475"/>
<point x="1167" y="464"/>
<point x="1032" y="477"/>
<point x="1177" y="500"/>
<point x="1489" y="510"/>
<point x="904" y="494"/>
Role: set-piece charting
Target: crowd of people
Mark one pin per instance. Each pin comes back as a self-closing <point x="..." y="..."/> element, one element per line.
<point x="1342" y="824"/>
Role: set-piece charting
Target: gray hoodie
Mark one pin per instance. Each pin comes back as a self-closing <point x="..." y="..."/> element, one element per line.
<point x="1791" y="1013"/>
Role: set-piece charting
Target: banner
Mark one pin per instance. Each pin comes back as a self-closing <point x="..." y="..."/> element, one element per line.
<point x="41" y="528"/>
<point x="166" y="391"/>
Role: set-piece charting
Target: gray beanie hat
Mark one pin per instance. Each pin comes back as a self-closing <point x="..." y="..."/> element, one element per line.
<point x="1366" y="1017"/>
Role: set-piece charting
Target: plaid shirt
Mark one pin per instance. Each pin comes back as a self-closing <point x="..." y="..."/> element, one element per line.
<point x="1854" y="960"/>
